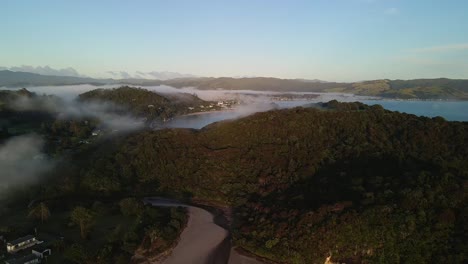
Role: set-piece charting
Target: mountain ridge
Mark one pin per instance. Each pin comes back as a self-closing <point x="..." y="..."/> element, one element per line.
<point x="439" y="88"/>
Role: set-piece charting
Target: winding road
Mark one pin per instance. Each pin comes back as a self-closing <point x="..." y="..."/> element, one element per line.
<point x="202" y="241"/>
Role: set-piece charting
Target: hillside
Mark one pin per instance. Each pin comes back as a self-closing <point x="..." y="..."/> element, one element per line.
<point x="145" y="103"/>
<point x="410" y="89"/>
<point x="401" y="89"/>
<point x="442" y="88"/>
<point x="358" y="182"/>
<point x="256" y="84"/>
<point x="26" y="79"/>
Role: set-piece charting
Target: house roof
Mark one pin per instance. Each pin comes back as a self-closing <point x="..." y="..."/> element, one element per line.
<point x="41" y="247"/>
<point x="21" y="239"/>
<point x="22" y="260"/>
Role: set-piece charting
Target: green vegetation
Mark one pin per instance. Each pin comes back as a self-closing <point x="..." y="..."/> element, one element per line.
<point x="40" y="211"/>
<point x="79" y="226"/>
<point x="356" y="181"/>
<point x="83" y="218"/>
<point x="402" y="89"/>
<point x="15" y="120"/>
<point x="96" y="231"/>
<point x="148" y="104"/>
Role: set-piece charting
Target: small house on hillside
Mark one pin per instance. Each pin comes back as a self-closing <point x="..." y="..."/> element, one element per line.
<point x="28" y="259"/>
<point x="22" y="243"/>
<point x="42" y="251"/>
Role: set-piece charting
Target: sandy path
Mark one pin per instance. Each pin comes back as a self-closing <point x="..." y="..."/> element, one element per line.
<point x="202" y="241"/>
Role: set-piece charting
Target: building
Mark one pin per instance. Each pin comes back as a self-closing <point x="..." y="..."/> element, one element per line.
<point x="96" y="132"/>
<point x="22" y="243"/>
<point x="28" y="259"/>
<point x="41" y="251"/>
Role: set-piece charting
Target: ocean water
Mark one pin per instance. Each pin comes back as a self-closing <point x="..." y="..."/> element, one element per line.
<point x="450" y="110"/>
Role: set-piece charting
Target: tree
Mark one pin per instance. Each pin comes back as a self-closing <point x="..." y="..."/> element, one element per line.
<point x="131" y="206"/>
<point x="40" y="211"/>
<point x="76" y="253"/>
<point x="83" y="218"/>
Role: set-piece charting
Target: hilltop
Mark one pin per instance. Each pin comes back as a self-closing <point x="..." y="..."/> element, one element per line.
<point x="148" y="104"/>
<point x="356" y="181"/>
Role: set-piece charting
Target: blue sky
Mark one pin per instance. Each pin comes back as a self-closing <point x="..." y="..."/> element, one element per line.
<point x="341" y="40"/>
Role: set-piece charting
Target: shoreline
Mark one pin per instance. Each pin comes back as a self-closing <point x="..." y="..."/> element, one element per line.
<point x="209" y="112"/>
<point x="218" y="247"/>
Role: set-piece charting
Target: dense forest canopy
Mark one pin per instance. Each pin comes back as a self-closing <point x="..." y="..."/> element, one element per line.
<point x="145" y="103"/>
<point x="355" y="181"/>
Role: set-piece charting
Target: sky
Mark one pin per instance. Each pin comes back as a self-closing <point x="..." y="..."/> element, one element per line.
<point x="334" y="40"/>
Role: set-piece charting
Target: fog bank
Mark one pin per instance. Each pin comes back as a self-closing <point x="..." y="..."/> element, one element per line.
<point x="22" y="161"/>
<point x="111" y="116"/>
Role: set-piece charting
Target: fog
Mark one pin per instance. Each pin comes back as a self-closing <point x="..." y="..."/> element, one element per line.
<point x="22" y="161"/>
<point x="252" y="101"/>
<point x="66" y="92"/>
<point x="70" y="92"/>
<point x="111" y="116"/>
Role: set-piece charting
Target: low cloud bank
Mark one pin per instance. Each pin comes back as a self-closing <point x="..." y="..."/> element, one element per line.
<point x="45" y="70"/>
<point x="111" y="116"/>
<point x="22" y="161"/>
<point x="116" y="118"/>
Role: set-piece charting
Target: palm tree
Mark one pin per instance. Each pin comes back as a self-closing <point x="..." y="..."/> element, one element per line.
<point x="83" y="218"/>
<point x="40" y="211"/>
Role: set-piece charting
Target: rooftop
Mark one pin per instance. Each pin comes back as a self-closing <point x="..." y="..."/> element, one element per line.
<point x="21" y="239"/>
<point x="22" y="260"/>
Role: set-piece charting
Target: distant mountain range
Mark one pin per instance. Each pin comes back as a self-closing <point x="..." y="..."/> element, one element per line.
<point x="440" y="88"/>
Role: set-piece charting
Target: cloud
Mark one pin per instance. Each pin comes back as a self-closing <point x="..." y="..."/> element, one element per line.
<point x="22" y="161"/>
<point x="111" y="116"/>
<point x="152" y="75"/>
<point x="45" y="70"/>
<point x="444" y="48"/>
<point x="392" y="11"/>
<point x="165" y="75"/>
<point x="113" y="73"/>
<point x="125" y="75"/>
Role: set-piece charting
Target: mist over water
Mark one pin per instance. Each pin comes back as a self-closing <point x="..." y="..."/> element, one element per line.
<point x="22" y="160"/>
<point x="252" y="101"/>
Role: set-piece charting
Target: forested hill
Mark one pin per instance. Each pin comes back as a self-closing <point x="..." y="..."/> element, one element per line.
<point x="404" y="89"/>
<point x="145" y="103"/>
<point x="26" y="79"/>
<point x="355" y="181"/>
<point x="441" y="88"/>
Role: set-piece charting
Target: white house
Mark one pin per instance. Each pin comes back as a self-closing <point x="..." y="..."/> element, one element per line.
<point x="22" y="243"/>
<point x="96" y="132"/>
